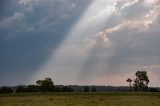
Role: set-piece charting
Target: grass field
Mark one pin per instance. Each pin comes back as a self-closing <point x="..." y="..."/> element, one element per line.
<point x="81" y="99"/>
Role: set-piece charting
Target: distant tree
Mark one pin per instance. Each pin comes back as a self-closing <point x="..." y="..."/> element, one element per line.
<point x="32" y="88"/>
<point x="21" y="89"/>
<point x="141" y="81"/>
<point x="39" y="82"/>
<point x="67" y="89"/>
<point x="94" y="89"/>
<point x="40" y="85"/>
<point x="79" y="90"/>
<point x="58" y="89"/>
<point x="48" y="85"/>
<point x="49" y="82"/>
<point x="129" y="81"/>
<point x="6" y="90"/>
<point x="154" y="90"/>
<point x="45" y="85"/>
<point x="86" y="89"/>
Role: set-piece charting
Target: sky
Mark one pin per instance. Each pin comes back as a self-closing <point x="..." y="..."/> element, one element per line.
<point x="79" y="42"/>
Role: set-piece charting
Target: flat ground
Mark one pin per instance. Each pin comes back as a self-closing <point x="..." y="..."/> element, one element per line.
<point x="81" y="99"/>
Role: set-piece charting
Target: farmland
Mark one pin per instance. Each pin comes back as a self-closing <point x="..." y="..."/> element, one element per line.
<point x="81" y="99"/>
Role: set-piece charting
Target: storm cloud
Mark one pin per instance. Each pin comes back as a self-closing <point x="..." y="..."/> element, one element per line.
<point x="79" y="41"/>
<point x="30" y="30"/>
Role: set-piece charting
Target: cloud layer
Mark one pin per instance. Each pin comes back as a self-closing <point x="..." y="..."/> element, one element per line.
<point x="30" y="31"/>
<point x="80" y="41"/>
<point x="130" y="44"/>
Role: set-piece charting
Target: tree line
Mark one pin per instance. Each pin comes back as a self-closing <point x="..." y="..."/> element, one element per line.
<point x="43" y="86"/>
<point x="141" y="82"/>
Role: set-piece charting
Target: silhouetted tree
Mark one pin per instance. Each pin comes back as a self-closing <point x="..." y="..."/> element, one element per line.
<point x="129" y="81"/>
<point x="46" y="85"/>
<point x="141" y="81"/>
<point x="6" y="90"/>
<point x="21" y="89"/>
<point x="39" y="82"/>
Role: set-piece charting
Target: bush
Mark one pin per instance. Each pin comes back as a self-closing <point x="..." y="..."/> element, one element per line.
<point x="153" y="90"/>
<point x="21" y="89"/>
<point x="6" y="90"/>
<point x="25" y="89"/>
<point x="67" y="89"/>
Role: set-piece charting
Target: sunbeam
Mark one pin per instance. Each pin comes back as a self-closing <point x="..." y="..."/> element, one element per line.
<point x="79" y="41"/>
<point x="71" y="54"/>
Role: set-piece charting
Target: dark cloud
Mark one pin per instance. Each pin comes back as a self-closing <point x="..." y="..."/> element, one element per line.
<point x="7" y="7"/>
<point x="2" y="4"/>
<point x="32" y="31"/>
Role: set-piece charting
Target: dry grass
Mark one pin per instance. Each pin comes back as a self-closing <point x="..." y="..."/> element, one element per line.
<point x="81" y="99"/>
